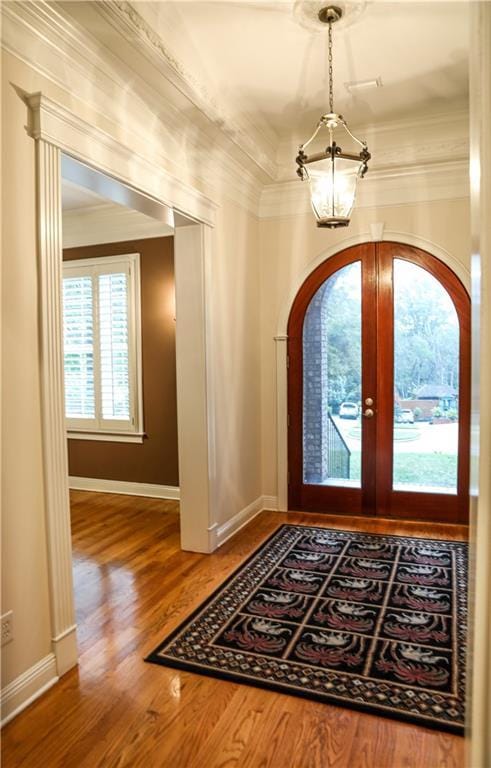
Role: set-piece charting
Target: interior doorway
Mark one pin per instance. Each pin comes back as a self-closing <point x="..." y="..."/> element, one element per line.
<point x="379" y="386"/>
<point x="119" y="328"/>
<point x="193" y="249"/>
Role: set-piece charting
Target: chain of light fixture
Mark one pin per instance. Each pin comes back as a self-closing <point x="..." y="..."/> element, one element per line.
<point x="329" y="59"/>
<point x="312" y="168"/>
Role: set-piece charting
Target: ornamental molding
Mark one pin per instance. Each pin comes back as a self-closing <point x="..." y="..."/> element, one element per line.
<point x="124" y="16"/>
<point x="399" y="144"/>
<point x="457" y="118"/>
<point x="55" y="124"/>
<point x="446" y="150"/>
<point x="63" y="51"/>
<point x="397" y="131"/>
<point x="55" y="457"/>
<point x="66" y="54"/>
<point x="306" y="14"/>
<point x="385" y="187"/>
<point x="405" y="158"/>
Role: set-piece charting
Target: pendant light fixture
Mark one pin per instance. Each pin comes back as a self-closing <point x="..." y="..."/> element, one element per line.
<point x="333" y="174"/>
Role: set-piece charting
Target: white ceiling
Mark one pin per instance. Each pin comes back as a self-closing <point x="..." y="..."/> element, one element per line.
<point x="253" y="75"/>
<point x="90" y="219"/>
<point x="74" y="197"/>
<point x="267" y="61"/>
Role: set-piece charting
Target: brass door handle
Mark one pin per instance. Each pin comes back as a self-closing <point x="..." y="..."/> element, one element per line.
<point x="368" y="413"/>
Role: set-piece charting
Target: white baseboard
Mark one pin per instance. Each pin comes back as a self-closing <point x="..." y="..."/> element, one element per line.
<point x="219" y="534"/>
<point x="26" y="688"/>
<point x="126" y="488"/>
<point x="226" y="530"/>
<point x="66" y="650"/>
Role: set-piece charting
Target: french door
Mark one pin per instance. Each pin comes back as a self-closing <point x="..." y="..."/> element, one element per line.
<point x="379" y="387"/>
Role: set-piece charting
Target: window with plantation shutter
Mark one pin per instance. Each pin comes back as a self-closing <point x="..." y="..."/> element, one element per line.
<point x="102" y="347"/>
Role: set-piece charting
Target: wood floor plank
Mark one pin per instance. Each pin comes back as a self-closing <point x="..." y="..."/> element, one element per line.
<point x="303" y="733"/>
<point x="133" y="585"/>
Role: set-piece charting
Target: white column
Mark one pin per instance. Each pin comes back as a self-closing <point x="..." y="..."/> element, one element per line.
<point x="52" y="400"/>
<point x="479" y="700"/>
<point x="194" y="371"/>
<point x="282" y="422"/>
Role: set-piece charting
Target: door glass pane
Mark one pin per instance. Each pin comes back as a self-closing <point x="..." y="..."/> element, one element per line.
<point x="332" y="381"/>
<point x="426" y="382"/>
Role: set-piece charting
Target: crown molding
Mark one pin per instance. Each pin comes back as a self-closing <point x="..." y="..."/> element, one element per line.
<point x="406" y="142"/>
<point x="440" y="121"/>
<point x="405" y="158"/>
<point x="124" y="16"/>
<point x="440" y="124"/>
<point x="61" y="49"/>
<point x="386" y="187"/>
<point x="443" y="151"/>
<point x="64" y="53"/>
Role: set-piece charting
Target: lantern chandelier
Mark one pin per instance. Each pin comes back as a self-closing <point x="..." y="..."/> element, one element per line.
<point x="332" y="174"/>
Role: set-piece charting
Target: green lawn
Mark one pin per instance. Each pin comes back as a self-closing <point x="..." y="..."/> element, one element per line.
<point x="429" y="469"/>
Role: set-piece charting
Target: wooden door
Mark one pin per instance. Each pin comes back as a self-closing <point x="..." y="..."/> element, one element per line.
<point x="378" y="386"/>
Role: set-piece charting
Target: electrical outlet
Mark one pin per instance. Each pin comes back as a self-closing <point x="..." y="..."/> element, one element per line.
<point x="7" y="627"/>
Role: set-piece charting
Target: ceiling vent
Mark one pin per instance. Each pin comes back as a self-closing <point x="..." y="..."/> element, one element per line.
<point x="358" y="86"/>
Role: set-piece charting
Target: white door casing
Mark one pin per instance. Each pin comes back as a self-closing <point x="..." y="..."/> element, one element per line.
<point x="56" y="129"/>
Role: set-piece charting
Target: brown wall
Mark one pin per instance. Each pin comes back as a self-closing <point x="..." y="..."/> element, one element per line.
<point x="155" y="460"/>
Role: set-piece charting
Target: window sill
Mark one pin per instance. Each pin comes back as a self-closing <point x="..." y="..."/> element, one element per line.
<point x="108" y="437"/>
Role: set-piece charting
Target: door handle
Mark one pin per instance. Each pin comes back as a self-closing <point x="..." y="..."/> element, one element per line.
<point x="368" y="413"/>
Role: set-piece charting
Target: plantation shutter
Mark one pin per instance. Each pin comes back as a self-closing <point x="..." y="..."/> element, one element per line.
<point x="78" y="330"/>
<point x="113" y="345"/>
<point x="101" y="344"/>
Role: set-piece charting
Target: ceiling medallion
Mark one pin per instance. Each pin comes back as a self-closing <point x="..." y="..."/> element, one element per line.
<point x="306" y="13"/>
<point x="332" y="173"/>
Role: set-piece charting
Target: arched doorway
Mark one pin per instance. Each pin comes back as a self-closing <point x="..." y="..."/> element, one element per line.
<point x="379" y="386"/>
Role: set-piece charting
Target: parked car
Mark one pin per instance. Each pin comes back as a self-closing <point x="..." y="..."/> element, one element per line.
<point x="348" y="411"/>
<point x="406" y="416"/>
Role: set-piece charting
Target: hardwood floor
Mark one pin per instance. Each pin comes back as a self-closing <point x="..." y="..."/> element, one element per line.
<point x="133" y="585"/>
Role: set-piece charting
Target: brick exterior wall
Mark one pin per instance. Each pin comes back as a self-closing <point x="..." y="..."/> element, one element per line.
<point x="315" y="392"/>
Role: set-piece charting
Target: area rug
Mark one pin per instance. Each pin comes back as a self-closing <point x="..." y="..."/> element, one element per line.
<point x="368" y="621"/>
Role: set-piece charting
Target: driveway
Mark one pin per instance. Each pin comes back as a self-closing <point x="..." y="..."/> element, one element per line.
<point x="432" y="438"/>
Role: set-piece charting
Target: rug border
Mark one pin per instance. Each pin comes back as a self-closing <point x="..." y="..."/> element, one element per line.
<point x="154" y="658"/>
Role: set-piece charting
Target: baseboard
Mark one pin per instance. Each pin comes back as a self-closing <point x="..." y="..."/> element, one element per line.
<point x="26" y="688"/>
<point x="227" y="530"/>
<point x="65" y="650"/>
<point x="219" y="534"/>
<point x="126" y="488"/>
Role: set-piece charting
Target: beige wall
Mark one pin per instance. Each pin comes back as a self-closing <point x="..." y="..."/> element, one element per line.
<point x="289" y="244"/>
<point x="235" y="288"/>
<point x="237" y="361"/>
<point x="24" y="562"/>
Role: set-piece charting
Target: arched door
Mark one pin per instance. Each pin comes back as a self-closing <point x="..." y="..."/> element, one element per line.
<point x="379" y="387"/>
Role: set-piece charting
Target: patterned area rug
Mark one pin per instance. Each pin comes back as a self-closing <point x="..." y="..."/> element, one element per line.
<point x="368" y="621"/>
